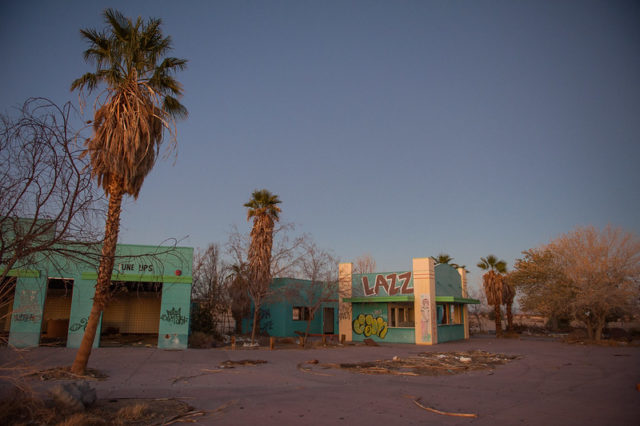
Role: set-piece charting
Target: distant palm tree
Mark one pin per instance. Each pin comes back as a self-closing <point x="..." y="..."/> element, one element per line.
<point x="239" y="293"/>
<point x="493" y="285"/>
<point x="508" y="294"/>
<point x="442" y="258"/>
<point x="263" y="208"/>
<point x="139" y="103"/>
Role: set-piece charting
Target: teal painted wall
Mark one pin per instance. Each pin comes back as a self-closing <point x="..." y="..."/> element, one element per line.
<point x="448" y="281"/>
<point x="174" y="316"/>
<point x="81" y="303"/>
<point x="287" y="294"/>
<point x="379" y="332"/>
<point x="133" y="263"/>
<point x="448" y="333"/>
<point x="28" y="307"/>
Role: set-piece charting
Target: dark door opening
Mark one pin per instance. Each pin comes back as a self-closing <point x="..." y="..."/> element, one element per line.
<point x="327" y="326"/>
<point x="133" y="314"/>
<point x="56" y="313"/>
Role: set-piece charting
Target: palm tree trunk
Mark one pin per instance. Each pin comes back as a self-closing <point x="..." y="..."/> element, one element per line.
<point x="509" y="318"/>
<point x="496" y="308"/>
<point x="103" y="282"/>
<point x="256" y="313"/>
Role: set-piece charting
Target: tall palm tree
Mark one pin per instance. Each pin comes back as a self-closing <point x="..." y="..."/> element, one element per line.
<point x="493" y="285"/>
<point x="140" y="101"/>
<point x="263" y="208"/>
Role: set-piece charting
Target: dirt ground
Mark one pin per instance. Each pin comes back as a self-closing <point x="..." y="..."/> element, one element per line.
<point x="541" y="382"/>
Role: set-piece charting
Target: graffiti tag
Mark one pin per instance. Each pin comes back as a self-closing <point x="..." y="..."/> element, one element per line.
<point x="390" y="283"/>
<point x="26" y="317"/>
<point x="174" y="316"/>
<point x="370" y="326"/>
<point x="345" y="311"/>
<point x="425" y="317"/>
<point x="79" y="325"/>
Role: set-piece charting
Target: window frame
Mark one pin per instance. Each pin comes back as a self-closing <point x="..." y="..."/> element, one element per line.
<point x="401" y="315"/>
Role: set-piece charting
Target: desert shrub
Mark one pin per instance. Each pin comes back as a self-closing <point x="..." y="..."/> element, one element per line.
<point x="201" y="340"/>
<point x="18" y="406"/>
<point x="203" y="320"/>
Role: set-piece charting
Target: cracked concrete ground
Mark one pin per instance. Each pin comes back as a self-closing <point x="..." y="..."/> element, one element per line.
<point x="552" y="384"/>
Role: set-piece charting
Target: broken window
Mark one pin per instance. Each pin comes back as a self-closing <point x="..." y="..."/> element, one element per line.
<point x="401" y="315"/>
<point x="301" y="313"/>
<point x="449" y="313"/>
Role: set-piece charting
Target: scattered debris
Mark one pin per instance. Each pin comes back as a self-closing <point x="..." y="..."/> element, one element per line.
<point x="444" y="413"/>
<point x="427" y="364"/>
<point x="185" y="378"/>
<point x="64" y="373"/>
<point x="370" y="342"/>
<point x="304" y="369"/>
<point x="250" y="362"/>
<point x="185" y="417"/>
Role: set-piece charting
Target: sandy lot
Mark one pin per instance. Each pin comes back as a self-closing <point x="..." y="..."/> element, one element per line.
<point x="551" y="384"/>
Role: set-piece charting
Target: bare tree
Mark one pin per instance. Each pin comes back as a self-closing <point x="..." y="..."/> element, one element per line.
<point x="543" y="288"/>
<point x="477" y="310"/>
<point x="286" y="254"/>
<point x="210" y="290"/>
<point x="364" y="264"/>
<point x="604" y="269"/>
<point x="48" y="205"/>
<point x="320" y="268"/>
<point x="593" y="275"/>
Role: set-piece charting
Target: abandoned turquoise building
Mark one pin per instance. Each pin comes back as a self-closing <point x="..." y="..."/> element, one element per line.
<point x="426" y="305"/>
<point x="290" y="304"/>
<point x="151" y="294"/>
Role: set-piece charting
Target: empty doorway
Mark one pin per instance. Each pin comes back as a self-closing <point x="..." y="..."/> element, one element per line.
<point x="327" y="326"/>
<point x="56" y="313"/>
<point x="133" y="314"/>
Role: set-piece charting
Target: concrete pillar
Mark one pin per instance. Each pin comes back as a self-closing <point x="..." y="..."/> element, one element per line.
<point x="344" y="308"/>
<point x="81" y="304"/>
<point x="465" y="309"/>
<point x="28" y="307"/>
<point x="424" y="291"/>
<point x="174" y="316"/>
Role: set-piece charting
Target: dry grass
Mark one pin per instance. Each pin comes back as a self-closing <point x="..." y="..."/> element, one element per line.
<point x="64" y="373"/>
<point x="133" y="412"/>
<point x="20" y="408"/>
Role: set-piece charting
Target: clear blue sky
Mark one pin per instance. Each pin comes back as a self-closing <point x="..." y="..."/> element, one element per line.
<point x="398" y="128"/>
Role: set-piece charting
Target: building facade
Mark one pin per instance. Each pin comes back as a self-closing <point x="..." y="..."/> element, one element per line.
<point x="151" y="294"/>
<point x="290" y="305"/>
<point x="425" y="306"/>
